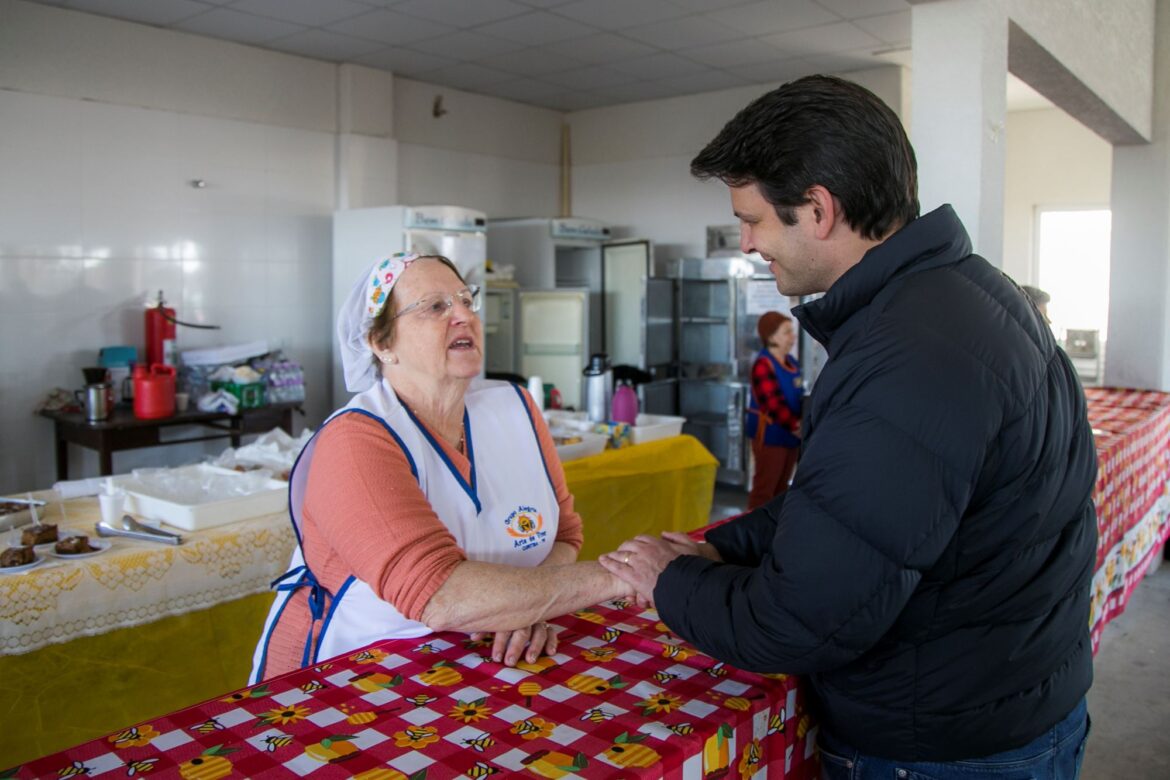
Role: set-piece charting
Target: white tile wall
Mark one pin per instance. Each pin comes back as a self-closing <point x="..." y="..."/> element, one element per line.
<point x="97" y="215"/>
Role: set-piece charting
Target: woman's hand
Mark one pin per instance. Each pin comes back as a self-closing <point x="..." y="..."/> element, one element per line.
<point x="507" y="646"/>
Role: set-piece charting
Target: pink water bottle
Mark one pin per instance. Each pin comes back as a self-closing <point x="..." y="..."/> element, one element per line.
<point x="625" y="404"/>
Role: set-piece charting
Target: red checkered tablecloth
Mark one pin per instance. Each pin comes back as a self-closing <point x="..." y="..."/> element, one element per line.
<point x="623" y="697"/>
<point x="1132" y="433"/>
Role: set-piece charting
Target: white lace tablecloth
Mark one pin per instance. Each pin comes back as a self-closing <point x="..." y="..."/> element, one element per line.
<point x="135" y="582"/>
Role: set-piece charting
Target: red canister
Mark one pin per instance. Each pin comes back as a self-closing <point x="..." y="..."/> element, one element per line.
<point x="154" y="391"/>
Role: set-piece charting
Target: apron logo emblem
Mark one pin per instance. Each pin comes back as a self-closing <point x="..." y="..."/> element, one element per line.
<point x="526" y="527"/>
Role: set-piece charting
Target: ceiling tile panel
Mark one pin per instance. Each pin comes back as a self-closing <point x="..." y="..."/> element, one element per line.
<point x="702" y="6"/>
<point x="156" y="12"/>
<point x="854" y="9"/>
<point x="311" y="12"/>
<point x="893" y="29"/>
<point x="525" y="90"/>
<point x="603" y="48"/>
<point x="592" y="77"/>
<point x="707" y="81"/>
<point x="767" y="72"/>
<point x="640" y="90"/>
<point x="659" y="66"/>
<point x="462" y="13"/>
<point x="747" y="51"/>
<point x="773" y="17"/>
<point x="390" y="27"/>
<point x="230" y="25"/>
<point x="827" y="39"/>
<point x="620" y="14"/>
<point x="684" y="33"/>
<point x="466" y="45"/>
<point x="531" y="61"/>
<point x="537" y="28"/>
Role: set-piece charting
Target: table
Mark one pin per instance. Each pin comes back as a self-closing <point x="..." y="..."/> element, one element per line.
<point x="1132" y="433"/>
<point x="124" y="431"/>
<point x="663" y="485"/>
<point x="114" y="633"/>
<point x="623" y="697"/>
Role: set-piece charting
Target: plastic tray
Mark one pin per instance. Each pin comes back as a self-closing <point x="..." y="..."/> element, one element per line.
<point x="270" y="497"/>
<point x="648" y="427"/>
<point x="590" y="444"/>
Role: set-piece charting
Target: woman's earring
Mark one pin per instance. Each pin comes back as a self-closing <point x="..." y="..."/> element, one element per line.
<point x="388" y="359"/>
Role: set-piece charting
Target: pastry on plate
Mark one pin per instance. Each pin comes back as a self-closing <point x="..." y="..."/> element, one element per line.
<point x="39" y="534"/>
<point x="74" y="545"/>
<point x="17" y="556"/>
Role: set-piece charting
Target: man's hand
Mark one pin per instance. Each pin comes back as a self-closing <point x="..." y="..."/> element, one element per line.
<point x="685" y="545"/>
<point x="638" y="562"/>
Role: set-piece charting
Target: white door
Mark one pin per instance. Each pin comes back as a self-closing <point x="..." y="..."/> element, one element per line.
<point x="624" y="267"/>
<point x="554" y="333"/>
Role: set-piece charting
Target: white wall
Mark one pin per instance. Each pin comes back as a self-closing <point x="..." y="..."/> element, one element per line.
<point x="499" y="157"/>
<point x="1051" y="160"/>
<point x="102" y="125"/>
<point x="96" y="214"/>
<point x="631" y="163"/>
<point x="1108" y="46"/>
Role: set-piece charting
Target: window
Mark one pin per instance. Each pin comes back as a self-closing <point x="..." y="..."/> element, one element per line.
<point x="1072" y="250"/>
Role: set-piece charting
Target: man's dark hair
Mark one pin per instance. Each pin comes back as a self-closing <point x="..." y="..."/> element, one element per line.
<point x="820" y="130"/>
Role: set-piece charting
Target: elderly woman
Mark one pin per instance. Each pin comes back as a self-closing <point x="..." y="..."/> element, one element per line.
<point x="433" y="501"/>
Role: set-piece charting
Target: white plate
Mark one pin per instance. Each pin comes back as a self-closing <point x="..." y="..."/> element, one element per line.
<point x="101" y="544"/>
<point x="37" y="561"/>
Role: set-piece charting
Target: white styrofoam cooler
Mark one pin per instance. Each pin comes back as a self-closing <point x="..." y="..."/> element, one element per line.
<point x="263" y="498"/>
<point x="647" y="427"/>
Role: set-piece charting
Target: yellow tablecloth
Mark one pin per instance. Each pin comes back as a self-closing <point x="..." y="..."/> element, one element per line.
<point x="663" y="485"/>
<point x="82" y="685"/>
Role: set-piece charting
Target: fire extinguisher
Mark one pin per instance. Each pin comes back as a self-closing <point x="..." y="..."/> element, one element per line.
<point x="160" y="332"/>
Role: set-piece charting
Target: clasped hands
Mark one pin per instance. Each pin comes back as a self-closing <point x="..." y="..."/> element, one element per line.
<point x="639" y="561"/>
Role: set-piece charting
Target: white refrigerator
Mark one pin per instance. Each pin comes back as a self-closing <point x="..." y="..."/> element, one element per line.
<point x="361" y="236"/>
<point x="574" y="253"/>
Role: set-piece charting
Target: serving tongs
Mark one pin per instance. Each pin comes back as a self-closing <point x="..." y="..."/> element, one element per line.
<point x="132" y="529"/>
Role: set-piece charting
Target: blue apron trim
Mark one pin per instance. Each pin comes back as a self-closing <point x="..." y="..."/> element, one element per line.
<point x="292" y="581"/>
<point x="268" y="639"/>
<point x="438" y="448"/>
<point x="329" y="617"/>
<point x="532" y="422"/>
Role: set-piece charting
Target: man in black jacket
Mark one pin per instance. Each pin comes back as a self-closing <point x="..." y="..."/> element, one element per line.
<point x="929" y="569"/>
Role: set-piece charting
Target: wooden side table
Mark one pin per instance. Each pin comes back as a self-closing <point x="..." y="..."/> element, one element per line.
<point x="124" y="431"/>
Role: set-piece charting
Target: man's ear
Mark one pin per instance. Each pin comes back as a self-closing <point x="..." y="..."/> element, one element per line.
<point x="825" y="210"/>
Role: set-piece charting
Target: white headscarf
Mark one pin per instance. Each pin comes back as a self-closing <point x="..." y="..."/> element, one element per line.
<point x="365" y="302"/>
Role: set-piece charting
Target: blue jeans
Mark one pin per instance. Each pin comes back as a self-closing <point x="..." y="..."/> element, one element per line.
<point x="1054" y="755"/>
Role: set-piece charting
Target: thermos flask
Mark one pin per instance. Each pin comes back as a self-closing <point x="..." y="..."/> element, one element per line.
<point x="597" y="387"/>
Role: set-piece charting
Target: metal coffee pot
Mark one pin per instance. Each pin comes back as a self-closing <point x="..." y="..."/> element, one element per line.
<point x="98" y="401"/>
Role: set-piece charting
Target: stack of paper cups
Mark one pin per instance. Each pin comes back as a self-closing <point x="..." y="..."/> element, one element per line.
<point x="536" y="390"/>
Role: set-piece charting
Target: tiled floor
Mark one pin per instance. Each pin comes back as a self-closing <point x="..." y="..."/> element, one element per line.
<point x="1130" y="699"/>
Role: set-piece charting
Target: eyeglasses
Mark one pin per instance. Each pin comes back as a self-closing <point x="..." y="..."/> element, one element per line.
<point x="438" y="305"/>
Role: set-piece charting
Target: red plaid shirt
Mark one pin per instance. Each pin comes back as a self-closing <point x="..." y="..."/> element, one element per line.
<point x="766" y="390"/>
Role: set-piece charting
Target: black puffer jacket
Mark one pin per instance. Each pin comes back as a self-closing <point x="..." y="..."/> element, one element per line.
<point x="929" y="570"/>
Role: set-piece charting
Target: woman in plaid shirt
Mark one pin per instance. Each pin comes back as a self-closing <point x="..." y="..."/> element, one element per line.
<point x="776" y="398"/>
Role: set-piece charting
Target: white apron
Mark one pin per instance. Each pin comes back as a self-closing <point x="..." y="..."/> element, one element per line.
<point x="507" y="513"/>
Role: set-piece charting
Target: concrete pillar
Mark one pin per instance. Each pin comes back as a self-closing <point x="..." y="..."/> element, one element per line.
<point x="1138" y="353"/>
<point x="959" y="96"/>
